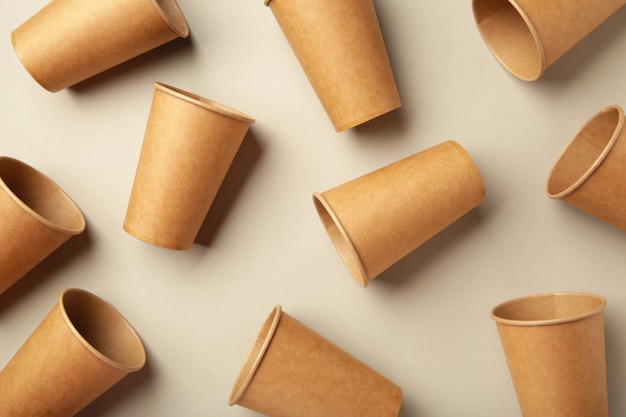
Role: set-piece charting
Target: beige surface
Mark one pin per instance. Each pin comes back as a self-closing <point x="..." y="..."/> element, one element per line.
<point x="424" y="323"/>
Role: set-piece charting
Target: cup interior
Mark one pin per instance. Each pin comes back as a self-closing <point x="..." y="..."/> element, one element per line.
<point x="103" y="330"/>
<point x="551" y="308"/>
<point x="511" y="37"/>
<point x="585" y="152"/>
<point x="40" y="196"/>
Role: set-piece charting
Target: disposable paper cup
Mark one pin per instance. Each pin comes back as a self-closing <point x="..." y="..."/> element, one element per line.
<point x="36" y="218"/>
<point x="189" y="145"/>
<point x="341" y="49"/>
<point x="81" y="349"/>
<point x="293" y="371"/>
<point x="377" y="219"/>
<point x="69" y="41"/>
<point x="590" y="174"/>
<point x="554" y="346"/>
<point x="527" y="36"/>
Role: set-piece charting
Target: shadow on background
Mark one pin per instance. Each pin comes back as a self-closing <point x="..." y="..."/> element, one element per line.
<point x="46" y="269"/>
<point x="240" y="170"/>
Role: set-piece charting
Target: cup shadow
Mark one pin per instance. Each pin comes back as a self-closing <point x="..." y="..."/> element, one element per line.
<point x="46" y="269"/>
<point x="240" y="170"/>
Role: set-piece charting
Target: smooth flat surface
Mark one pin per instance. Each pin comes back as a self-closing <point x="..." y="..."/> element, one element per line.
<point x="424" y="323"/>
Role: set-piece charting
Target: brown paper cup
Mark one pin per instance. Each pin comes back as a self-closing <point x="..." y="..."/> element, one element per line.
<point x="590" y="174"/>
<point x="36" y="218"/>
<point x="527" y="36"/>
<point x="377" y="219"/>
<point x="554" y="346"/>
<point x="69" y="41"/>
<point x="341" y="49"/>
<point x="293" y="371"/>
<point x="189" y="145"/>
<point x="82" y="348"/>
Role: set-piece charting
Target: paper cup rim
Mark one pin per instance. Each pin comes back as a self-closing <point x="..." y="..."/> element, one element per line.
<point x="341" y="241"/>
<point x="173" y="16"/>
<point x="71" y="205"/>
<point x="617" y="132"/>
<point x="203" y="102"/>
<point x="500" y="319"/>
<point x="92" y="349"/>
<point x="255" y="355"/>
<point x="533" y="32"/>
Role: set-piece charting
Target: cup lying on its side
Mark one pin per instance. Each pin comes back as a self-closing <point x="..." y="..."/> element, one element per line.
<point x="291" y="370"/>
<point x="82" y="348"/>
<point x="590" y="174"/>
<point x="555" y="349"/>
<point x="36" y="218"/>
<point x="189" y="145"/>
<point x="375" y="220"/>
<point x="69" y="41"/>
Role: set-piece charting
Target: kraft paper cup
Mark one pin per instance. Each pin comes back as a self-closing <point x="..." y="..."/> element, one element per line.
<point x="377" y="219"/>
<point x="554" y="346"/>
<point x="293" y="371"/>
<point x="69" y="41"/>
<point x="590" y="174"/>
<point x="527" y="36"/>
<point x="36" y="218"/>
<point x="81" y="349"/>
<point x="341" y="49"/>
<point x="188" y="147"/>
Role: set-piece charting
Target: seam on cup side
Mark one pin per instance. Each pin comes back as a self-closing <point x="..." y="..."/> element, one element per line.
<point x="255" y="356"/>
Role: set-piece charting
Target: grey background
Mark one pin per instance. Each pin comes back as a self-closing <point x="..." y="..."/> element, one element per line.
<point x="424" y="323"/>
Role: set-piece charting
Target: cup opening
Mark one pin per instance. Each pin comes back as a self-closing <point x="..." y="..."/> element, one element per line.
<point x="511" y="37"/>
<point x="173" y="16"/>
<point x="203" y="102"/>
<point x="585" y="152"/>
<point x="255" y="355"/>
<point x="102" y="330"/>
<point x="340" y="239"/>
<point x="546" y="309"/>
<point x="40" y="196"/>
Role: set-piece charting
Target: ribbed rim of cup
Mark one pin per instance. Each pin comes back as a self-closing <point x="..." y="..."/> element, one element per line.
<point x="341" y="239"/>
<point x="562" y="161"/>
<point x="514" y="66"/>
<point x="125" y="353"/>
<point x="255" y="355"/>
<point x="173" y="16"/>
<point x="74" y="226"/>
<point x="203" y="102"/>
<point x="522" y="311"/>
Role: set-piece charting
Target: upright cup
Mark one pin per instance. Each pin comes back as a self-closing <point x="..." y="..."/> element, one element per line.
<point x="81" y="349"/>
<point x="590" y="174"/>
<point x="341" y="49"/>
<point x="377" y="219"/>
<point x="293" y="371"/>
<point x="554" y="346"/>
<point x="527" y="36"/>
<point x="36" y="218"/>
<point x="189" y="145"/>
<point x="69" y="41"/>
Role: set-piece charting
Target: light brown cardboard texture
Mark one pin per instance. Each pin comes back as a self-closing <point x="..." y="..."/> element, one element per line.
<point x="590" y="174"/>
<point x="341" y="49"/>
<point x="555" y="349"/>
<point x="81" y="349"/>
<point x="527" y="36"/>
<point x="291" y="371"/>
<point x="36" y="218"/>
<point x="69" y="41"/>
<point x="377" y="219"/>
<point x="188" y="147"/>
